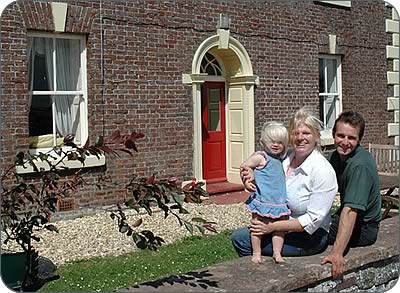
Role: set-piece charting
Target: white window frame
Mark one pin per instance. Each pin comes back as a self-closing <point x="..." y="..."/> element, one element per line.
<point x="83" y="92"/>
<point x="326" y="133"/>
<point x="90" y="160"/>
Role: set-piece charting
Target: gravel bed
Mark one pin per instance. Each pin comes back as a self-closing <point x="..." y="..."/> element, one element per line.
<point x="92" y="232"/>
<point x="96" y="234"/>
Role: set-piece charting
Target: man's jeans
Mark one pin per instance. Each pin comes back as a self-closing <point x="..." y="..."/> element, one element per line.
<point x="364" y="234"/>
<point x="296" y="243"/>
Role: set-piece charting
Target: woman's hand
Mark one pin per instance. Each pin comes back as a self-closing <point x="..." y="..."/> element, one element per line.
<point x="249" y="186"/>
<point x="259" y="227"/>
<point x="246" y="174"/>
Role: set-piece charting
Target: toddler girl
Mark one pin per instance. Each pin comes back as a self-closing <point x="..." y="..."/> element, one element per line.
<point x="268" y="202"/>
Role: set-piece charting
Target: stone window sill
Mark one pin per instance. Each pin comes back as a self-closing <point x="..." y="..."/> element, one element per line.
<point x="90" y="161"/>
<point x="326" y="138"/>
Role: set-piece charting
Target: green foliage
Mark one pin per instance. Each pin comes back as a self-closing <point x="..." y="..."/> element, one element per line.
<point x="108" y="274"/>
<point x="27" y="207"/>
<point x="149" y="193"/>
<point x="335" y="207"/>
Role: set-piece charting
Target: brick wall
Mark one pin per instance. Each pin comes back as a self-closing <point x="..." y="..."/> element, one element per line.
<point x="137" y="52"/>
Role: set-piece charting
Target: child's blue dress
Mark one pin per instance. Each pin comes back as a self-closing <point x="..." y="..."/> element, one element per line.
<point x="269" y="199"/>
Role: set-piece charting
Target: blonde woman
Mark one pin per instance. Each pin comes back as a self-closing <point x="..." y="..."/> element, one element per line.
<point x="311" y="188"/>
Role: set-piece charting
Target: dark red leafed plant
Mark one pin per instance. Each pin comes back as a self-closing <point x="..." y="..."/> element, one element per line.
<point x="166" y="195"/>
<point x="27" y="205"/>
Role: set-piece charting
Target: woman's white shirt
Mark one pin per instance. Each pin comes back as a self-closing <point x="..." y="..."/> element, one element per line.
<point x="311" y="189"/>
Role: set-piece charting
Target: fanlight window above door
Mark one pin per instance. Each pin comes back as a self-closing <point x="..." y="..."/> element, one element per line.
<point x="210" y="65"/>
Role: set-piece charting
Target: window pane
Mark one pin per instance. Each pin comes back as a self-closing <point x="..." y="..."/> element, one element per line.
<point x="41" y="64"/>
<point x="68" y="65"/>
<point x="214" y="119"/>
<point x="210" y="65"/>
<point x="40" y="116"/>
<point x="328" y="111"/>
<point x="331" y="78"/>
<point x="321" y="76"/>
<point x="66" y="115"/>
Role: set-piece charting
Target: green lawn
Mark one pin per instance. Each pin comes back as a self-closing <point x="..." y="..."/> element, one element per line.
<point x="111" y="273"/>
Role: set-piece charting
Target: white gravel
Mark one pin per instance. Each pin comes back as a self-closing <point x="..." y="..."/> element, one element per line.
<point x="97" y="234"/>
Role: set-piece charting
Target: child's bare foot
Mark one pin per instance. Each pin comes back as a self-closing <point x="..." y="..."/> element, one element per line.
<point x="278" y="258"/>
<point x="257" y="258"/>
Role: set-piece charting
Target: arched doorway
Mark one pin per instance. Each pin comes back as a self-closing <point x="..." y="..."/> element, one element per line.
<point x="213" y="122"/>
<point x="229" y="79"/>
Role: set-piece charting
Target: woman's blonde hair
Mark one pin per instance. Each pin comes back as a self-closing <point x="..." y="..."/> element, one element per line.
<point x="303" y="116"/>
<point x="274" y="132"/>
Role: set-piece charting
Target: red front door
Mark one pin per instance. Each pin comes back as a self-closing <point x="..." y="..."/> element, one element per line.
<point x="213" y="128"/>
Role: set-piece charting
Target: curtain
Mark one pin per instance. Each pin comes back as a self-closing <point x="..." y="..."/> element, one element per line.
<point x="67" y="68"/>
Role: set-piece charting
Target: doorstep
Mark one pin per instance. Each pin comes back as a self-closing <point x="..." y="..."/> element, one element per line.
<point x="225" y="193"/>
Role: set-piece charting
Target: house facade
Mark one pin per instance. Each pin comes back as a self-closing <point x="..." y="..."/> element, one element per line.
<point x="392" y="55"/>
<point x="198" y="78"/>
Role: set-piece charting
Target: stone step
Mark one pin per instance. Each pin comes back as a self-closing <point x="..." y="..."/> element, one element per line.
<point x="223" y="187"/>
<point x="227" y="198"/>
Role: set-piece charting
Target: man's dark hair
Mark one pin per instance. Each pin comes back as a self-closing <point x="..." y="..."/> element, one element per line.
<point x="354" y="119"/>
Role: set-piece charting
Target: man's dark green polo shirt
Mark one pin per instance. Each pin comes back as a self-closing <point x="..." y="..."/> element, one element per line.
<point x="359" y="185"/>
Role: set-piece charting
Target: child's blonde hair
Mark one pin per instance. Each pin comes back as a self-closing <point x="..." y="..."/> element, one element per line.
<point x="272" y="132"/>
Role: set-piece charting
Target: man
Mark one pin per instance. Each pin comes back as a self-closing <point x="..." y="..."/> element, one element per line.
<point x="359" y="188"/>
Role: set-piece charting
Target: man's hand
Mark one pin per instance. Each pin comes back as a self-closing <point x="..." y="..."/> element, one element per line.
<point x="338" y="263"/>
<point x="345" y="229"/>
<point x="259" y="228"/>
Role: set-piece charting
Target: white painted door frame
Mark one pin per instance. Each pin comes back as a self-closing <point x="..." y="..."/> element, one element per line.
<point x="242" y="79"/>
